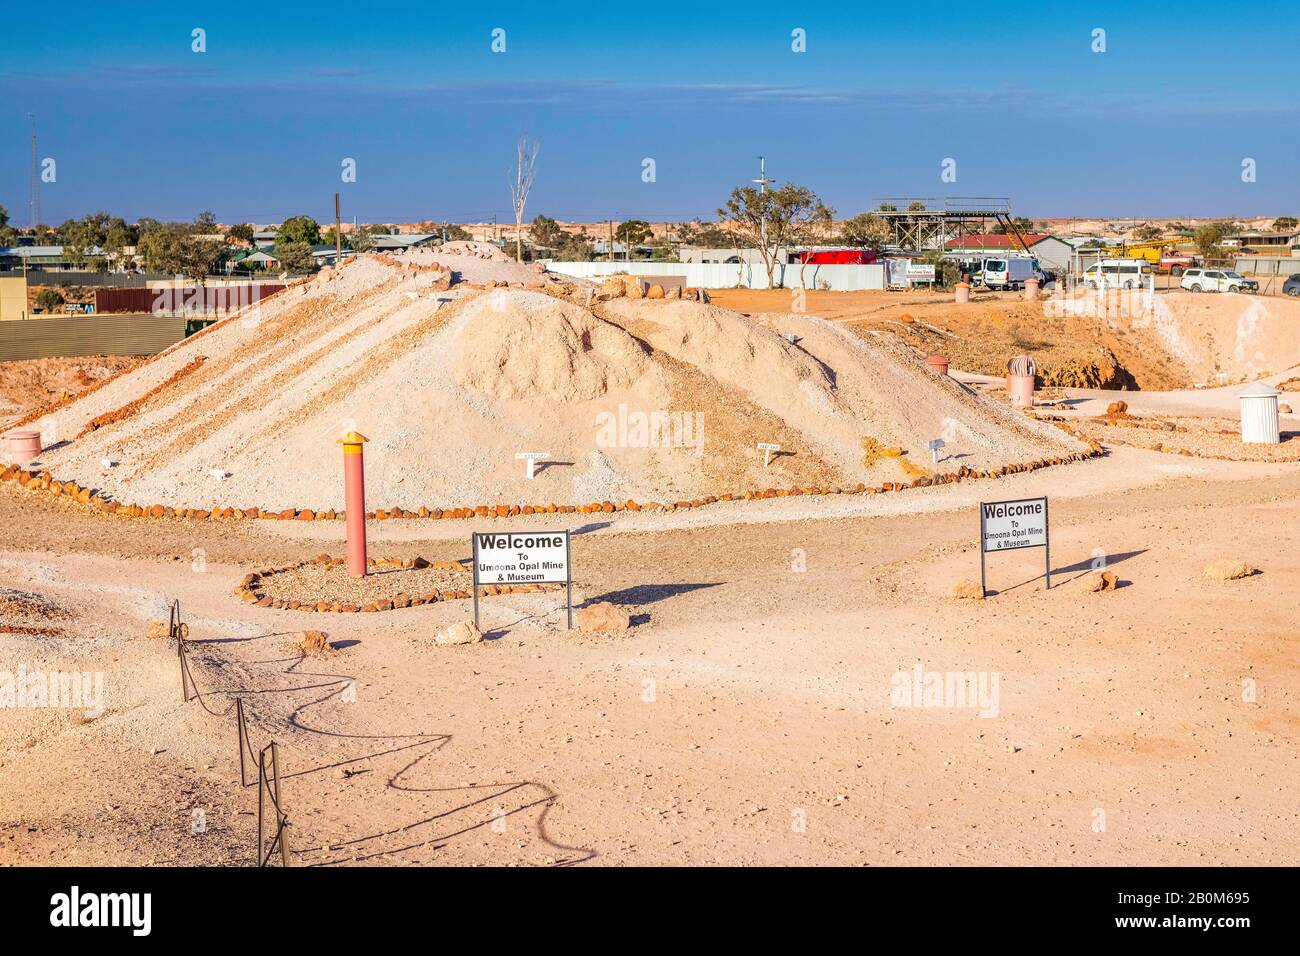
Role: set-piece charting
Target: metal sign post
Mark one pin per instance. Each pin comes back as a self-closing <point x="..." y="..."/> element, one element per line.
<point x="1012" y="525"/>
<point x="523" y="557"/>
<point x="474" y="537"/>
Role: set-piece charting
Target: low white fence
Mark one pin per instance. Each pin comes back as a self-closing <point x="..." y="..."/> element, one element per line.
<point x="733" y="275"/>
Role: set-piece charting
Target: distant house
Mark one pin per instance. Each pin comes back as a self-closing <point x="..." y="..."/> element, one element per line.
<point x="324" y="254"/>
<point x="1267" y="241"/>
<point x="1052" y="252"/>
<point x="400" y="242"/>
<point x="50" y="258"/>
<point x="261" y="259"/>
<point x="265" y="238"/>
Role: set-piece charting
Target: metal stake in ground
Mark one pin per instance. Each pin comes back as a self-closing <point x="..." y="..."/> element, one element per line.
<point x="354" y="492"/>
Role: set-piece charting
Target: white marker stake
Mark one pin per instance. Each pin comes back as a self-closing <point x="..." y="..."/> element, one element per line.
<point x="767" y="448"/>
<point x="531" y="457"/>
<point x="934" y="445"/>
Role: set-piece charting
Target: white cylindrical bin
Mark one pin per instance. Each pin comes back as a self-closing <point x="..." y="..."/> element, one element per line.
<point x="1259" y="423"/>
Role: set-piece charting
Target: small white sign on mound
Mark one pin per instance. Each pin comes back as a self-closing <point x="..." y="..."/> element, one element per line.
<point x="1012" y="525"/>
<point x="767" y="448"/>
<point x="523" y="557"/>
<point x="532" y="458"/>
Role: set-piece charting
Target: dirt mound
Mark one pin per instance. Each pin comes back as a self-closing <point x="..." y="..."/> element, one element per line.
<point x="1120" y="340"/>
<point x="647" y="400"/>
<point x="28" y="385"/>
<point x="1225" y="338"/>
<point x="480" y="250"/>
<point x="532" y="347"/>
<point x="476" y="263"/>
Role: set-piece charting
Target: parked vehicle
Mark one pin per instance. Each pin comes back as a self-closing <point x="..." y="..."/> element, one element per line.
<point x="1176" y="263"/>
<point x="1163" y="255"/>
<point x="1217" y="280"/>
<point x="1291" y="286"/>
<point x="1010" y="272"/>
<point x="1117" y="274"/>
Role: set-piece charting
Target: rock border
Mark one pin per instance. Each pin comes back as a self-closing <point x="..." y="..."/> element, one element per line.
<point x="247" y="588"/>
<point x="94" y="498"/>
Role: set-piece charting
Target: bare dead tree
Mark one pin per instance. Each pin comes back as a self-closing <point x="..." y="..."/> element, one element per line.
<point x="521" y="184"/>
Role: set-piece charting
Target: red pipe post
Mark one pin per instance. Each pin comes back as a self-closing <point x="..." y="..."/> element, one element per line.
<point x="354" y="493"/>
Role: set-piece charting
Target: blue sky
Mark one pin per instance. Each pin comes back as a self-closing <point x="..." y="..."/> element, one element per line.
<point x="256" y="127"/>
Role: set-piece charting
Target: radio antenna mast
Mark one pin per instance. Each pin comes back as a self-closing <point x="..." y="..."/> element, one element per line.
<point x="34" y="202"/>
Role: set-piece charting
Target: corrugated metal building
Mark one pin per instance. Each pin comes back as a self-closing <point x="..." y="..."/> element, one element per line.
<point x="110" y="335"/>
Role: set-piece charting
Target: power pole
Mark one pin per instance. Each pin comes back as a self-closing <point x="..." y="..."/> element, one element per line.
<point x="763" y="182"/>
<point x="611" y="240"/>
<point x="338" y="234"/>
<point x="35" y="199"/>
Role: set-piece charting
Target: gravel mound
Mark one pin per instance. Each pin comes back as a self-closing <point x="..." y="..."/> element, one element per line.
<point x="656" y="400"/>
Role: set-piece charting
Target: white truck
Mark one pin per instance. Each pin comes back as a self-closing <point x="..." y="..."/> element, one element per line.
<point x="1010" y="272"/>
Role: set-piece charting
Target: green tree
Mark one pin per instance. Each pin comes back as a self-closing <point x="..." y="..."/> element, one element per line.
<point x="8" y="235"/>
<point x="1147" y="232"/>
<point x="243" y="230"/>
<point x="715" y="237"/>
<point x="633" y="232"/>
<point x="205" y="223"/>
<point x="774" y="218"/>
<point x="298" y="229"/>
<point x="174" y="250"/>
<point x="1285" y="223"/>
<point x="1020" y="222"/>
<point x="294" y="256"/>
<point x="545" y="231"/>
<point x="866" y="230"/>
<point x="48" y="300"/>
<point x="1208" y="239"/>
<point x="946" y="271"/>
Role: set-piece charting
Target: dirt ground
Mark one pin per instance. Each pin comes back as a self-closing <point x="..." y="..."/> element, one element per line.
<point x="1074" y="351"/>
<point x="745" y="719"/>
<point x="27" y="386"/>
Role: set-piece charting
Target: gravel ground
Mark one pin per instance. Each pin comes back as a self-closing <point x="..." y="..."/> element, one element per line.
<point x="1198" y="437"/>
<point x="316" y="582"/>
<point x="752" y="693"/>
